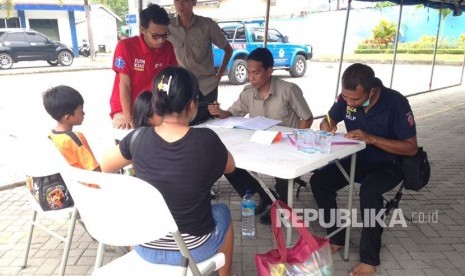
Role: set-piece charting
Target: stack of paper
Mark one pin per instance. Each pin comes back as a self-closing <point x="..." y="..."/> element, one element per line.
<point x="266" y="137"/>
<point x="339" y="139"/>
<point x="255" y="123"/>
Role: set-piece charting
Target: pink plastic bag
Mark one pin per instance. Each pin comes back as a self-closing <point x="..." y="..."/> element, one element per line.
<point x="310" y="256"/>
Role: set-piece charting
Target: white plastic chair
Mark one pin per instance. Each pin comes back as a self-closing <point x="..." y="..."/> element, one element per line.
<point x="45" y="160"/>
<point x="126" y="211"/>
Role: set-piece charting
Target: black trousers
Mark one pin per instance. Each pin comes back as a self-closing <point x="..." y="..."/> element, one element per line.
<point x="202" y="112"/>
<point x="375" y="180"/>
<point x="241" y="180"/>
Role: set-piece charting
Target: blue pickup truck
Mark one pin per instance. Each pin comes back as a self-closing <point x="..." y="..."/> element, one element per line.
<point x="245" y="36"/>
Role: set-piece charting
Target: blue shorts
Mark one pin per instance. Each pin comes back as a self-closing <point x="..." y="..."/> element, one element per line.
<point x="222" y="218"/>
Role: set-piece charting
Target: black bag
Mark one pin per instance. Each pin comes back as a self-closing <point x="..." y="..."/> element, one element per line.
<point x="50" y="191"/>
<point x="416" y="170"/>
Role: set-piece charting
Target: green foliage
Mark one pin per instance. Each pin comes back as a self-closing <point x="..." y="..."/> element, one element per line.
<point x="411" y="51"/>
<point x="453" y="46"/>
<point x="385" y="32"/>
<point x="384" y="4"/>
<point x="8" y="6"/>
<point x="461" y="40"/>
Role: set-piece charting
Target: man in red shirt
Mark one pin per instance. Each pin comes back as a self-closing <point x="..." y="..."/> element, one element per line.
<point x="137" y="61"/>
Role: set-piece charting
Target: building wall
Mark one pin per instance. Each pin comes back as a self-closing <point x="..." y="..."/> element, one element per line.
<point x="103" y="23"/>
<point x="106" y="31"/>
<point x="62" y="19"/>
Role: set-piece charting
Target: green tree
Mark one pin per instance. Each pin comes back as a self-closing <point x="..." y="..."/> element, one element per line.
<point x="8" y="6"/>
<point x="119" y="7"/>
<point x="444" y="14"/>
<point x="385" y="32"/>
<point x="384" y="4"/>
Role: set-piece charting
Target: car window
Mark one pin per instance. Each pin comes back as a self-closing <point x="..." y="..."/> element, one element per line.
<point x="258" y="35"/>
<point x="36" y="38"/>
<point x="229" y="32"/>
<point x="15" y="37"/>
<point x="240" y="33"/>
<point x="274" y="36"/>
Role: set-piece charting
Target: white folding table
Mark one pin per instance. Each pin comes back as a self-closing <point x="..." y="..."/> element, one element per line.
<point x="283" y="160"/>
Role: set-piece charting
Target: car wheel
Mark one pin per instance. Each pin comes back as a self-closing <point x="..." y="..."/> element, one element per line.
<point x="299" y="67"/>
<point x="6" y="61"/>
<point x="65" y="58"/>
<point x="238" y="72"/>
<point x="53" y="62"/>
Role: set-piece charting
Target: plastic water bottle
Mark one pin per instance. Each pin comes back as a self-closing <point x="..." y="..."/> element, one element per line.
<point x="248" y="216"/>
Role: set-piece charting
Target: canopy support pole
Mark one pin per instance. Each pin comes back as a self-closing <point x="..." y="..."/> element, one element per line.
<point x="267" y="19"/>
<point x="343" y="46"/>
<point x="435" y="49"/>
<point x="396" y="44"/>
<point x="463" y="68"/>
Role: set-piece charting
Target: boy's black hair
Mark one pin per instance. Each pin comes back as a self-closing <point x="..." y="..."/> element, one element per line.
<point x="173" y="89"/>
<point x="61" y="100"/>
<point x="154" y="13"/>
<point x="142" y="111"/>
<point x="262" y="55"/>
<point x="360" y="74"/>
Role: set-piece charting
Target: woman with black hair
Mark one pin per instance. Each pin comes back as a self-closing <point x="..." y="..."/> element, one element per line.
<point x="183" y="163"/>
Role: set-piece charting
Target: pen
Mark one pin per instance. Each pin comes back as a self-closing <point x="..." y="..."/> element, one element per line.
<point x="328" y="119"/>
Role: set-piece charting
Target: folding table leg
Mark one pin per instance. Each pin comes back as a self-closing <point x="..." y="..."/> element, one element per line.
<point x="29" y="239"/>
<point x="290" y="203"/>
<point x="349" y="205"/>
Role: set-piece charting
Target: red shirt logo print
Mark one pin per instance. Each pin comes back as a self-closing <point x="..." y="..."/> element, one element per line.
<point x="139" y="64"/>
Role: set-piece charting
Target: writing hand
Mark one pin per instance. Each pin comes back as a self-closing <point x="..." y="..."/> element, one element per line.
<point x="326" y="127"/>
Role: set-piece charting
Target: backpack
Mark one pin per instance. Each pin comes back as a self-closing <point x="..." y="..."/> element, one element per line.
<point x="416" y="170"/>
<point x="50" y="191"/>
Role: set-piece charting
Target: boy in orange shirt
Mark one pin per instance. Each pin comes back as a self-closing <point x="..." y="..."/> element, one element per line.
<point x="65" y="105"/>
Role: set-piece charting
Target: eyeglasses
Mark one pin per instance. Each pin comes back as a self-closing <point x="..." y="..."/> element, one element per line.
<point x="158" y="36"/>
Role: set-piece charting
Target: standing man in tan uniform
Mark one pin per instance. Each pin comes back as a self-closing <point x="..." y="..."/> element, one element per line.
<point x="192" y="37"/>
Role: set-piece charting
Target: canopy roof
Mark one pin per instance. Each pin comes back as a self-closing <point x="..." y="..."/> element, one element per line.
<point x="457" y="6"/>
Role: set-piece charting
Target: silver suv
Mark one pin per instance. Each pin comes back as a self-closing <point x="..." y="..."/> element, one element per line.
<point x="29" y="45"/>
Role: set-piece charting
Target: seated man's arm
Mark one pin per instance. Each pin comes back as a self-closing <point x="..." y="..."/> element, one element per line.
<point x="327" y="124"/>
<point x="406" y="147"/>
<point x="215" y="110"/>
<point x="239" y="108"/>
<point x="306" y="123"/>
<point x="299" y="105"/>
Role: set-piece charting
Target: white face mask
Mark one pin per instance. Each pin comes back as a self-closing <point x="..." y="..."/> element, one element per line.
<point x="367" y="102"/>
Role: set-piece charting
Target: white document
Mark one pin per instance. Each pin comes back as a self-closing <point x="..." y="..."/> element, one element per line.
<point x="255" y="123"/>
<point x="339" y="139"/>
<point x="264" y="137"/>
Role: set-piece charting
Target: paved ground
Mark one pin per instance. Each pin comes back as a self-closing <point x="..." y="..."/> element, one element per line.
<point x="425" y="247"/>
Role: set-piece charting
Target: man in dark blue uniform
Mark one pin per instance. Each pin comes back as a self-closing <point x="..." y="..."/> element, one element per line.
<point x="383" y="119"/>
